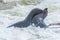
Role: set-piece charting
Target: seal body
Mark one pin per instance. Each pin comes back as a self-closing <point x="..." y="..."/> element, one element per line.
<point x="28" y="20"/>
<point x="31" y="18"/>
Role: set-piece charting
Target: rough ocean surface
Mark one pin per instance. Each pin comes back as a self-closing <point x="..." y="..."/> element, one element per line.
<point x="19" y="12"/>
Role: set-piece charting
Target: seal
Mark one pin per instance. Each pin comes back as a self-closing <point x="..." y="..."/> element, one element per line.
<point x="28" y="20"/>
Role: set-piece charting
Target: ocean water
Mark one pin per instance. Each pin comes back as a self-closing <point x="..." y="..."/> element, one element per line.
<point x="18" y="12"/>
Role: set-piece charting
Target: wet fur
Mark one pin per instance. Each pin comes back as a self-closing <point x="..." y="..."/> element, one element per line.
<point x="28" y="20"/>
